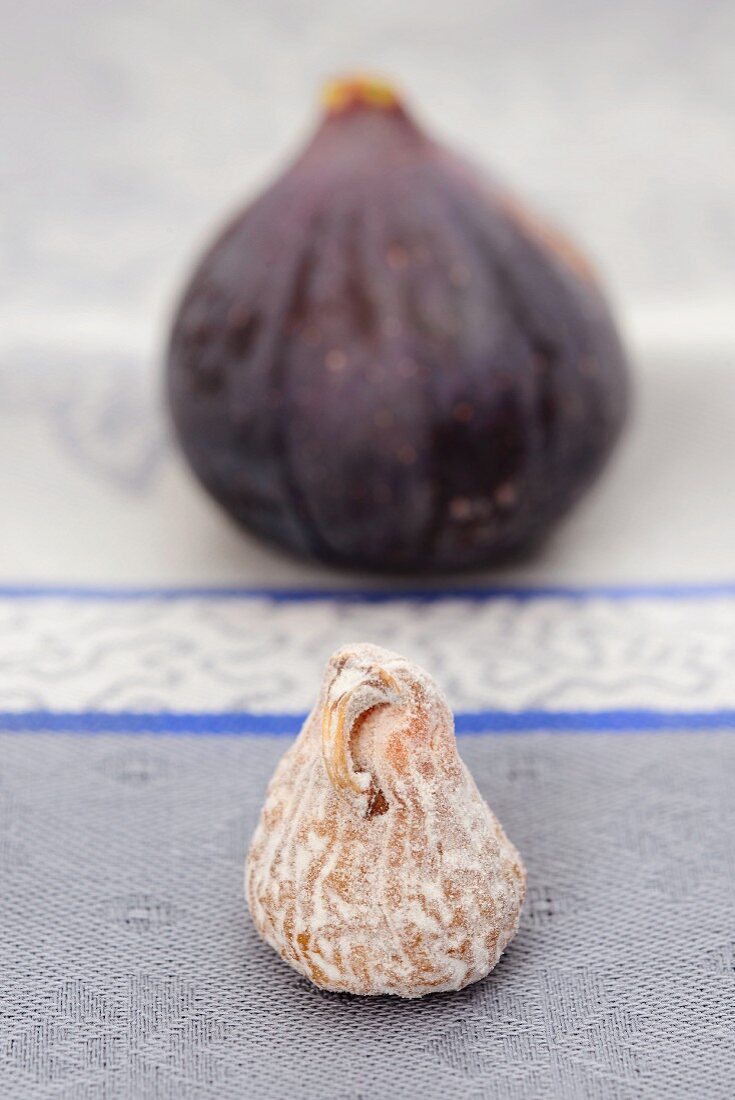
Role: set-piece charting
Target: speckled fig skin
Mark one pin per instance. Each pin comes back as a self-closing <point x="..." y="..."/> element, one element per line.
<point x="386" y="363"/>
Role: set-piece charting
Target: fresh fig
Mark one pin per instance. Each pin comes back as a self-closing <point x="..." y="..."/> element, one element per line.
<point x="386" y="363"/>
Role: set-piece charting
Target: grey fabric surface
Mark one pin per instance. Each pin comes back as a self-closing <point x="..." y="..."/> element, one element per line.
<point x="129" y="967"/>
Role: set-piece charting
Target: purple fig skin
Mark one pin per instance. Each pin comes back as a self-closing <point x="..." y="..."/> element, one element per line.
<point x="384" y="363"/>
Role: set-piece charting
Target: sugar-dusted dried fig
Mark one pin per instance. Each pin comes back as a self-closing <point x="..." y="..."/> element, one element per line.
<point x="386" y="363"/>
<point x="376" y="866"/>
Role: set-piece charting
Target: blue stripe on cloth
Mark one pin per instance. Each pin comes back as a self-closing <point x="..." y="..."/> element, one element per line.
<point x="713" y="590"/>
<point x="475" y="722"/>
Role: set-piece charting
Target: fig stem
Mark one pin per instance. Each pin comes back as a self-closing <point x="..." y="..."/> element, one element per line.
<point x="343" y="708"/>
<point x="359" y="90"/>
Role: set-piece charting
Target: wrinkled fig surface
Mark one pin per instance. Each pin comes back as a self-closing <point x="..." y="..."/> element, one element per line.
<point x="376" y="866"/>
<point x="385" y="362"/>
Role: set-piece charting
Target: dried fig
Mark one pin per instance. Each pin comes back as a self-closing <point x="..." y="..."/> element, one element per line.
<point x="386" y="363"/>
<point x="376" y="866"/>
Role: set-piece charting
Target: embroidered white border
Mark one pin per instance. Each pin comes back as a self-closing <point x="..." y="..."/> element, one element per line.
<point x="214" y="654"/>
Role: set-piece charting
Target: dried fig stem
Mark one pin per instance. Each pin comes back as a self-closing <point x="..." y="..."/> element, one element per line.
<point x="348" y="699"/>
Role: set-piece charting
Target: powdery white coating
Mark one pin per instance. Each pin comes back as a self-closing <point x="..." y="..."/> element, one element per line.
<point x="376" y="866"/>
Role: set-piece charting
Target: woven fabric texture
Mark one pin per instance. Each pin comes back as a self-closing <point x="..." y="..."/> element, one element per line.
<point x="129" y="967"/>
